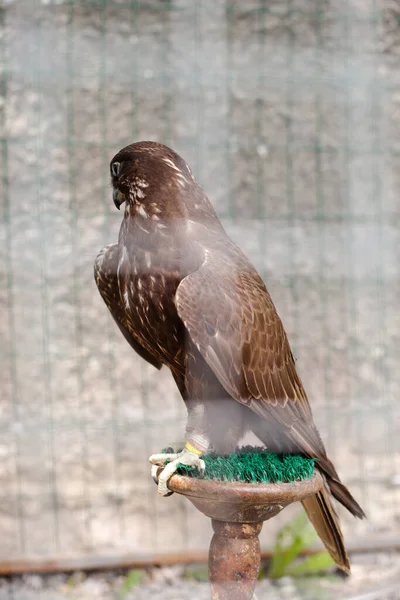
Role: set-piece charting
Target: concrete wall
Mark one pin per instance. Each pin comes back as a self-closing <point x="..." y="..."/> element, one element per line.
<point x="289" y="115"/>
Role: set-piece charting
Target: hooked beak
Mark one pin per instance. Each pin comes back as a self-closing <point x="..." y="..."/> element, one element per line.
<point x="118" y="198"/>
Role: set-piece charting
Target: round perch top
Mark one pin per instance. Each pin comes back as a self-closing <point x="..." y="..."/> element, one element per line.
<point x="248" y="486"/>
<point x="243" y="502"/>
<point x="253" y="465"/>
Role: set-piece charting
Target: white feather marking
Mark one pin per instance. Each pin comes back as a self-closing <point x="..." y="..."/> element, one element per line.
<point x="147" y="259"/>
<point x="124" y="255"/>
<point x="126" y="300"/>
<point x="142" y="212"/>
<point x="139" y="284"/>
<point x="180" y="177"/>
<point x="189" y="170"/>
<point x="172" y="164"/>
<point x="99" y="260"/>
<point x="155" y="218"/>
<point x="140" y="182"/>
<point x="139" y="193"/>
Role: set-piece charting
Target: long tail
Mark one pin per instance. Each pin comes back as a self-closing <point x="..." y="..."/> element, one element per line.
<point x="319" y="508"/>
<point x="322" y="515"/>
<point x="342" y="495"/>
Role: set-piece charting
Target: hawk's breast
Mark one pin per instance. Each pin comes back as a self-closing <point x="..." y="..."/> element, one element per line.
<point x="148" y="295"/>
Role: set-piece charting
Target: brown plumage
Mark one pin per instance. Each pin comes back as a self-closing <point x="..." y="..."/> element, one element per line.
<point x="185" y="296"/>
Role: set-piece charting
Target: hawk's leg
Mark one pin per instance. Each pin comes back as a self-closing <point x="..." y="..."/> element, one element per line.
<point x="189" y="456"/>
<point x="197" y="443"/>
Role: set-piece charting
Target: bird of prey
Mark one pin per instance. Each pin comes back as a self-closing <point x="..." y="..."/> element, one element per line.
<point x="185" y="296"/>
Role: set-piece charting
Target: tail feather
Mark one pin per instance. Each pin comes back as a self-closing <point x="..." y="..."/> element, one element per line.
<point x="337" y="489"/>
<point x="322" y="515"/>
<point x="319" y="507"/>
<point x="342" y="495"/>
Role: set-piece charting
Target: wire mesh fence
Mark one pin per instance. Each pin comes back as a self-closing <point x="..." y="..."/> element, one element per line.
<point x="289" y="115"/>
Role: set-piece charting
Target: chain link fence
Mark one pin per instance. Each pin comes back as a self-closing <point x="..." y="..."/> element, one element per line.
<point x="289" y="115"/>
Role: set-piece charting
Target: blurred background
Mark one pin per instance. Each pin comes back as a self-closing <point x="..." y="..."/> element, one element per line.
<point x="288" y="113"/>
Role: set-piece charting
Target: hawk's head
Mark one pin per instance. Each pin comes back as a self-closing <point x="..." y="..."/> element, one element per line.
<point x="150" y="175"/>
<point x="156" y="183"/>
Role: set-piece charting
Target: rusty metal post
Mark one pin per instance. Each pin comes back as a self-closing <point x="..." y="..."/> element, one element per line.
<point x="237" y="511"/>
<point x="234" y="560"/>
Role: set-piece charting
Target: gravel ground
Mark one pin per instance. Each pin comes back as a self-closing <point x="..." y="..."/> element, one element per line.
<point x="374" y="577"/>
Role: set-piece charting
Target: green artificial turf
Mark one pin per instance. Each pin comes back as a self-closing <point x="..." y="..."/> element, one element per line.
<point x="253" y="465"/>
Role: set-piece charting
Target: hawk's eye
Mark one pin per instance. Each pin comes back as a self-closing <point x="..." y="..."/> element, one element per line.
<point x="115" y="168"/>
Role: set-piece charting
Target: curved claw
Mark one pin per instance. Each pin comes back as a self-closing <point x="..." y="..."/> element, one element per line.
<point x="154" y="474"/>
<point x="173" y="460"/>
<point x="202" y="468"/>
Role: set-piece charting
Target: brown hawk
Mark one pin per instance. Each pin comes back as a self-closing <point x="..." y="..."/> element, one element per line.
<point x="185" y="296"/>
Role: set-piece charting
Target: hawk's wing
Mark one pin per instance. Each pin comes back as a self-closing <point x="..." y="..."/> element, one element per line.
<point x="105" y="274"/>
<point x="233" y="322"/>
